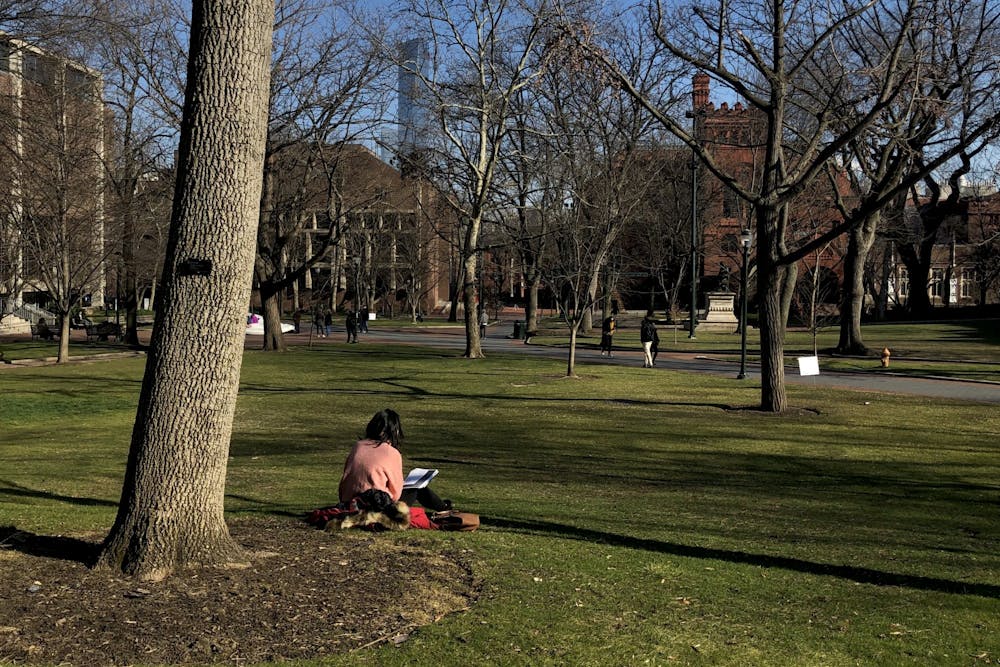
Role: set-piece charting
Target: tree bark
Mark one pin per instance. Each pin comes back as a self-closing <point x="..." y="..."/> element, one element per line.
<point x="171" y="510"/>
<point x="274" y="338"/>
<point x="859" y="243"/>
<point x="772" y="323"/>
<point x="473" y="345"/>
<point x="918" y="269"/>
<point x="587" y="320"/>
<point x="571" y="358"/>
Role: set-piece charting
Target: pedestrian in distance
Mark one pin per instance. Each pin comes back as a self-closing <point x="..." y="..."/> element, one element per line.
<point x="297" y="319"/>
<point x="352" y="327"/>
<point x="608" y="327"/>
<point x="363" y="321"/>
<point x="317" y="321"/>
<point x="649" y="337"/>
<point x="484" y="321"/>
<point x="328" y="322"/>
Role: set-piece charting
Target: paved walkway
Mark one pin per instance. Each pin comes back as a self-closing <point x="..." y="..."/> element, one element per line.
<point x="454" y="338"/>
<point x="879" y="383"/>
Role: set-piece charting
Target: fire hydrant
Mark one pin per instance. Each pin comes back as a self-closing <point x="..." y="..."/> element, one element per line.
<point x="885" y="357"/>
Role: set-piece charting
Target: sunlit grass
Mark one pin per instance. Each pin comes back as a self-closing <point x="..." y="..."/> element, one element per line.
<point x="629" y="518"/>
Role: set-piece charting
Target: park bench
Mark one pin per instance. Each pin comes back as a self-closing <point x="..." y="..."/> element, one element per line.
<point x="103" y="331"/>
<point x="36" y="334"/>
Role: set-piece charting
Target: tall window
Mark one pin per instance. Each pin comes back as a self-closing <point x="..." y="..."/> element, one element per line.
<point x="4" y="56"/>
<point x="937" y="283"/>
<point x="38" y="68"/>
<point x="969" y="280"/>
<point x="79" y="83"/>
<point x="904" y="281"/>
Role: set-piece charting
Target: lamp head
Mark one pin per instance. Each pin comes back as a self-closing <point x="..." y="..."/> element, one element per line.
<point x="746" y="238"/>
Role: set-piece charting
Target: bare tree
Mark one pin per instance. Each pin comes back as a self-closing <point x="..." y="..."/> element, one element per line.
<point x="770" y="54"/>
<point x="56" y="151"/>
<point x="944" y="116"/>
<point x="600" y="136"/>
<point x="326" y="94"/>
<point x="143" y="134"/>
<point x="483" y="54"/>
<point x="527" y="194"/>
<point x="171" y="510"/>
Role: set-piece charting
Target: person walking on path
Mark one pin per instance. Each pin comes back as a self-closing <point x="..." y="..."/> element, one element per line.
<point x="297" y="319"/>
<point x="317" y="320"/>
<point x="608" y="327"/>
<point x="484" y="321"/>
<point x="327" y="322"/>
<point x="649" y="338"/>
<point x="352" y="327"/>
<point x="363" y="321"/>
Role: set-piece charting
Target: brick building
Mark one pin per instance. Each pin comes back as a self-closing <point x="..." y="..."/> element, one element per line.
<point x="390" y="251"/>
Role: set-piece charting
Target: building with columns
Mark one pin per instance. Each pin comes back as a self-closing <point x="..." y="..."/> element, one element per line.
<point x="53" y="143"/>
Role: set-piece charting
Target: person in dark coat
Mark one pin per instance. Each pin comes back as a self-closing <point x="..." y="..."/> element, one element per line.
<point x="649" y="338"/>
<point x="352" y="327"/>
<point x="608" y="327"/>
<point x="317" y="321"/>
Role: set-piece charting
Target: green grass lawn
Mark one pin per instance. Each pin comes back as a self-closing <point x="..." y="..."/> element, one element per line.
<point x="628" y="518"/>
<point x="966" y="350"/>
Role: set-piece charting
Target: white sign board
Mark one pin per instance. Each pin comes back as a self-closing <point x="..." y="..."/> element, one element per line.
<point x="808" y="365"/>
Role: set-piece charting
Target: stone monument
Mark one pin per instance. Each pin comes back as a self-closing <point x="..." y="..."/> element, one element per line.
<point x="719" y="315"/>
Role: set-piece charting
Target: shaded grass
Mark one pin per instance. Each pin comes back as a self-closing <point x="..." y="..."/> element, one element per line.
<point x="628" y="518"/>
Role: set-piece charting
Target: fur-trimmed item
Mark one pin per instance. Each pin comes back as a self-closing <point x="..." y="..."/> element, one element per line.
<point x="392" y="517"/>
<point x="373" y="509"/>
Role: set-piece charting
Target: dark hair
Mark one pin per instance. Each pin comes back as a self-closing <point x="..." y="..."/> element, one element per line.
<point x="650" y="314"/>
<point x="385" y="427"/>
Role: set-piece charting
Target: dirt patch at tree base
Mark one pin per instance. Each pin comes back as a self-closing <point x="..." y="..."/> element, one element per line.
<point x="307" y="593"/>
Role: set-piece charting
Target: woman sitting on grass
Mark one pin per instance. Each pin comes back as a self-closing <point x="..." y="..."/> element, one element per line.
<point x="375" y="463"/>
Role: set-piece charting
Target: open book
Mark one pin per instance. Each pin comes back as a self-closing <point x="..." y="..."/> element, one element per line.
<point x="419" y="478"/>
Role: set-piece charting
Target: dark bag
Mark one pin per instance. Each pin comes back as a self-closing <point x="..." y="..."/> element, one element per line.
<point x="455" y="520"/>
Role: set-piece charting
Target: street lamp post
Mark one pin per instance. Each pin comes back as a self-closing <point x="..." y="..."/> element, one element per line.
<point x="746" y="240"/>
<point x="693" y="314"/>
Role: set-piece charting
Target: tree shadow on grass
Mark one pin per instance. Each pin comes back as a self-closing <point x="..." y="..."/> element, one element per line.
<point x="9" y="488"/>
<point x="49" y="546"/>
<point x="861" y="575"/>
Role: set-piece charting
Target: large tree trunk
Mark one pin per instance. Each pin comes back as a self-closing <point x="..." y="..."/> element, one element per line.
<point x="859" y="242"/>
<point x="772" y="322"/>
<point x="171" y="510"/>
<point x="473" y="346"/>
<point x="789" y="276"/>
<point x="63" y="338"/>
<point x="270" y="298"/>
<point x="587" y="320"/>
<point x="531" y="304"/>
<point x="918" y="269"/>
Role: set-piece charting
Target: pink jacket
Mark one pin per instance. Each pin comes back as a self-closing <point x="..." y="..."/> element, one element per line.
<point x="372" y="465"/>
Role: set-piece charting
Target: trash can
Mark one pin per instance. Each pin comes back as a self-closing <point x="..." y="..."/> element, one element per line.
<point x="518" y="329"/>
